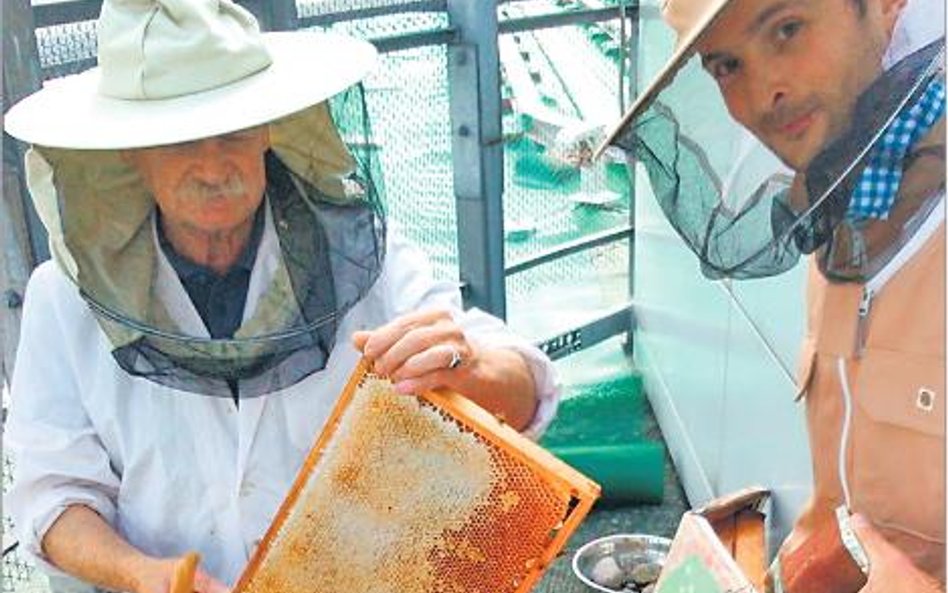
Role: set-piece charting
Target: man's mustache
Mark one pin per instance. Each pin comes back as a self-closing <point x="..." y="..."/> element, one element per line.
<point x="785" y="114"/>
<point x="198" y="190"/>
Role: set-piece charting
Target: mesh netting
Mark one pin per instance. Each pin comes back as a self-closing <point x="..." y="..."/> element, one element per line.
<point x="745" y="214"/>
<point x="321" y="224"/>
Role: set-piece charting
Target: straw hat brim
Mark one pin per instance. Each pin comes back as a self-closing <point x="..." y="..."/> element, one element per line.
<point x="683" y="51"/>
<point x="307" y="69"/>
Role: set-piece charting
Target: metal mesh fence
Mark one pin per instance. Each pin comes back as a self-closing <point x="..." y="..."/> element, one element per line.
<point x="560" y="89"/>
<point x="66" y="49"/>
<point x="19" y="576"/>
<point x="70" y="48"/>
<point x="562" y="5"/>
<point x="308" y="8"/>
<point x="557" y="296"/>
<point x="386" y="25"/>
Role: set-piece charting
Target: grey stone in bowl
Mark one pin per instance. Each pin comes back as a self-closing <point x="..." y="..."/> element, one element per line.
<point x="618" y="562"/>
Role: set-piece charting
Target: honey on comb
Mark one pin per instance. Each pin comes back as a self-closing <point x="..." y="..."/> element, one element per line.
<point x="406" y="498"/>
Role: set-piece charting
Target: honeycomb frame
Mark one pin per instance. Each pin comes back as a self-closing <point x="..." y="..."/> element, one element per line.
<point x="576" y="492"/>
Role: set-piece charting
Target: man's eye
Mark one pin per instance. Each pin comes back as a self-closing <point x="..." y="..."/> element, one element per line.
<point x="787" y="30"/>
<point x="723" y="68"/>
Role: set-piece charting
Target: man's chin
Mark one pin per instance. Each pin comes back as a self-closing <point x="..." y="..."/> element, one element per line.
<point x="797" y="150"/>
<point x="797" y="158"/>
<point x="797" y="164"/>
<point x="222" y="214"/>
<point x="217" y="225"/>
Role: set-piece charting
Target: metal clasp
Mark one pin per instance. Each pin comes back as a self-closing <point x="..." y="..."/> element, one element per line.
<point x="925" y="399"/>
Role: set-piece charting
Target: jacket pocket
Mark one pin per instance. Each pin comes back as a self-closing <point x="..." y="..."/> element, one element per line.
<point x="898" y="441"/>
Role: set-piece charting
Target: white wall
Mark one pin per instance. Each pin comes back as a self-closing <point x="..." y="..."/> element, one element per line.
<point x="718" y="368"/>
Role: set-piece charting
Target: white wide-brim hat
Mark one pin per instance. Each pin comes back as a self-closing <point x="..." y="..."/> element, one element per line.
<point x="149" y="89"/>
<point x="690" y="19"/>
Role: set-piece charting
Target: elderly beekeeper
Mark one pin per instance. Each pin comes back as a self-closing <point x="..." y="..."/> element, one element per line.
<point x="817" y="127"/>
<point x="220" y="263"/>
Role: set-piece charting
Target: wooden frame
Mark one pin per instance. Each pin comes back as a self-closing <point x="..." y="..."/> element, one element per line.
<point x="581" y="491"/>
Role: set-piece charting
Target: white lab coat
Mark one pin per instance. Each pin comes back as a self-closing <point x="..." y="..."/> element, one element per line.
<point x="175" y="471"/>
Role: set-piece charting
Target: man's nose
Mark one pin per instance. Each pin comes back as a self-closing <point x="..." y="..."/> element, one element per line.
<point x="209" y="165"/>
<point x="771" y="88"/>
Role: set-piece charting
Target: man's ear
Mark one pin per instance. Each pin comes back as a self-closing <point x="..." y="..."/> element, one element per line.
<point x="891" y="9"/>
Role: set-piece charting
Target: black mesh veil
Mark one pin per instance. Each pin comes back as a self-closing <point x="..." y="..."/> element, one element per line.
<point x="744" y="213"/>
<point x="327" y="241"/>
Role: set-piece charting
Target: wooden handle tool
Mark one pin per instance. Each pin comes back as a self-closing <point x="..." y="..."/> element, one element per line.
<point x="183" y="579"/>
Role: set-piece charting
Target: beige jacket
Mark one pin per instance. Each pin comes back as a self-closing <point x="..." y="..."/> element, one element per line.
<point x="888" y="361"/>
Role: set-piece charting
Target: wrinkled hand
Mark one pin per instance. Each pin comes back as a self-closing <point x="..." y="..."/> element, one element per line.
<point x="890" y="570"/>
<point x="414" y="351"/>
<point x="158" y="576"/>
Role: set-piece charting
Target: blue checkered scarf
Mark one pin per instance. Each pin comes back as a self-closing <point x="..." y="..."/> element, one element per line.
<point x="879" y="183"/>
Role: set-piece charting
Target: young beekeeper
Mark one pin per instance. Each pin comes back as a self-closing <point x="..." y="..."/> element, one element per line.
<point x="220" y="258"/>
<point x="846" y="99"/>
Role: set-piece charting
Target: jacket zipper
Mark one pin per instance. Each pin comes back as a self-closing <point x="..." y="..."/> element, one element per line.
<point x="898" y="261"/>
<point x="865" y="305"/>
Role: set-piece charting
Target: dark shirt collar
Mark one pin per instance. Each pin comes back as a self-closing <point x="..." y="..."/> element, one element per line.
<point x="188" y="270"/>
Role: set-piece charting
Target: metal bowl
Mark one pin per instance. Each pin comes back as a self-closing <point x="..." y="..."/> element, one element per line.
<point x="626" y="549"/>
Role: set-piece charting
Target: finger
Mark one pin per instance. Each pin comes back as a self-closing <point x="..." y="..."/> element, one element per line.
<point x="359" y="338"/>
<point x="384" y="337"/>
<point x="412" y="342"/>
<point x="418" y="340"/>
<point x="410" y="355"/>
<point x="419" y="385"/>
<point x="432" y="359"/>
